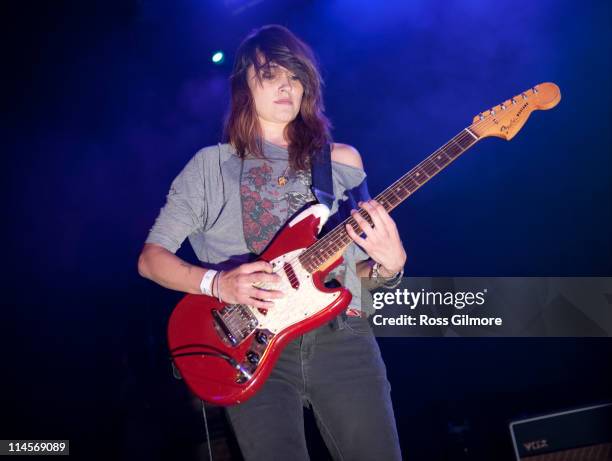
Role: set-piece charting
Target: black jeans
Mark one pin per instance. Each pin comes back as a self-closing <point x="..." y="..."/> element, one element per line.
<point x="337" y="370"/>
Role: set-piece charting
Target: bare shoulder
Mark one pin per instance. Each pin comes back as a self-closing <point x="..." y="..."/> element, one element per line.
<point x="348" y="155"/>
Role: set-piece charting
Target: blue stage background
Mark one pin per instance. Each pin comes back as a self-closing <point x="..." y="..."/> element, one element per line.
<point x="106" y="101"/>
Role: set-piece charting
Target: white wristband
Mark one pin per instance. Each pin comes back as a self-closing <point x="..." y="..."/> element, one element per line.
<point x="206" y="283"/>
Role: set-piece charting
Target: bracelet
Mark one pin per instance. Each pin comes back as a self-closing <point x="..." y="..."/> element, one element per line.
<point x="395" y="281"/>
<point x="207" y="281"/>
<point x="376" y="272"/>
<point x="218" y="278"/>
<point x="392" y="281"/>
<point x="212" y="285"/>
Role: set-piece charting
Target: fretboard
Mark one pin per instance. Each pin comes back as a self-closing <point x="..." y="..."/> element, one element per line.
<point x="336" y="241"/>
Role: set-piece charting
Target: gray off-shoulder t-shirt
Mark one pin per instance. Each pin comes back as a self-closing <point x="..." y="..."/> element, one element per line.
<point x="205" y="205"/>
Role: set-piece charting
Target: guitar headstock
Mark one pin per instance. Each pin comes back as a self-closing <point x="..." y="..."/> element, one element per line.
<point x="507" y="118"/>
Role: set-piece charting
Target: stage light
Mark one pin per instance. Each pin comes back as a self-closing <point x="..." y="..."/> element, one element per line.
<point x="218" y="57"/>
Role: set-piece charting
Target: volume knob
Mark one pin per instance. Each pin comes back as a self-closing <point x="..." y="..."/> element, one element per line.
<point x="252" y="357"/>
<point x="261" y="338"/>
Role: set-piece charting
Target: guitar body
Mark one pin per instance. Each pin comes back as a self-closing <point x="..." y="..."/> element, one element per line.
<point x="225" y="352"/>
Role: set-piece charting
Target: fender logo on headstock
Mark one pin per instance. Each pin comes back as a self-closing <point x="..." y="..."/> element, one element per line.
<point x="513" y="120"/>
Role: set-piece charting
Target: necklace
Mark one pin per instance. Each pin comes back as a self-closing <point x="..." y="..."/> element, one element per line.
<point x="282" y="179"/>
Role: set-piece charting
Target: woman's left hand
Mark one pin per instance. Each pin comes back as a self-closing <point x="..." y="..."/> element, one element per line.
<point x="382" y="241"/>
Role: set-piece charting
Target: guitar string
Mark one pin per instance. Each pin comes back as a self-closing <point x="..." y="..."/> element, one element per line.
<point x="403" y="183"/>
<point x="340" y="229"/>
<point x="338" y="234"/>
<point x="406" y="178"/>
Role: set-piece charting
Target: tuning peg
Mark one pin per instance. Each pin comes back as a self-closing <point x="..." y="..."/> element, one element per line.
<point x="503" y="106"/>
<point x="535" y="89"/>
<point x="523" y="95"/>
<point x="492" y="111"/>
<point x="513" y="101"/>
<point x="480" y="116"/>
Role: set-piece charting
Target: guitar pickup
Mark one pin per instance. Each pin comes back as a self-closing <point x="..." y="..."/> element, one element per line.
<point x="293" y="280"/>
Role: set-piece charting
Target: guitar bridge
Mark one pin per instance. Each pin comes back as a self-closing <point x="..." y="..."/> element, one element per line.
<point x="234" y="323"/>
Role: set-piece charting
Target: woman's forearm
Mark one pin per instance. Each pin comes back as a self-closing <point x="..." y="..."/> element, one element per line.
<point x="165" y="268"/>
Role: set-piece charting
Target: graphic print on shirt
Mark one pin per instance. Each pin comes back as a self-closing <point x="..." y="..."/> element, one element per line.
<point x="266" y="206"/>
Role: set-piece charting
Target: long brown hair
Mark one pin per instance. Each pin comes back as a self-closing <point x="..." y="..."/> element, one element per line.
<point x="310" y="130"/>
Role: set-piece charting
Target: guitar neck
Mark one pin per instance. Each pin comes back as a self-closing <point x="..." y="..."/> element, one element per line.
<point x="328" y="248"/>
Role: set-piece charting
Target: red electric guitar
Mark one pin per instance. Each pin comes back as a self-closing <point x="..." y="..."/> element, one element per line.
<point x="225" y="352"/>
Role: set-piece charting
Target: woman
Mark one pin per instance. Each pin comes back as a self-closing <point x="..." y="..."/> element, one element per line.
<point x="230" y="200"/>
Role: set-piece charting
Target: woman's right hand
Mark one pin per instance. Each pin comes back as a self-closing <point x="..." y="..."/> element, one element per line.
<point x="237" y="286"/>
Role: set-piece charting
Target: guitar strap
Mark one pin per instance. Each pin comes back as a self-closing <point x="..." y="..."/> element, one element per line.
<point x="321" y="171"/>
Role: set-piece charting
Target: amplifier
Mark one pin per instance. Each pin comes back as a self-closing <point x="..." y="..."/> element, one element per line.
<point x="583" y="434"/>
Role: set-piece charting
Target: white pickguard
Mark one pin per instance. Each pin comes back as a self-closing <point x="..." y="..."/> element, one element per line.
<point x="304" y="301"/>
<point x="297" y="304"/>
